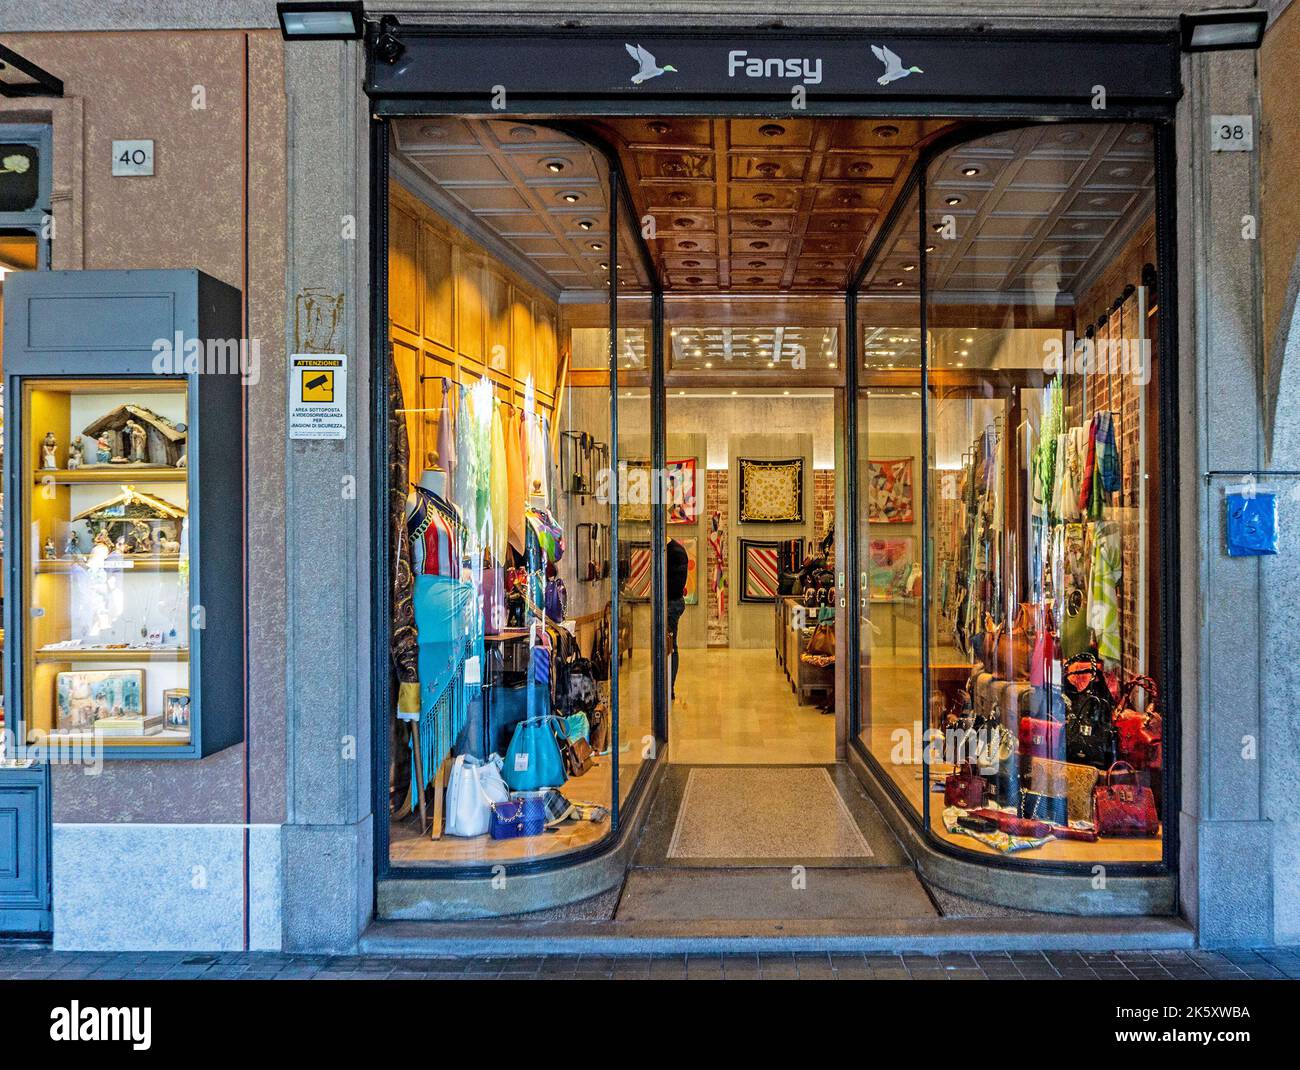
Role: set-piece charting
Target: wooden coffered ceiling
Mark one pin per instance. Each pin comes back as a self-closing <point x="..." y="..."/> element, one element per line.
<point x="758" y="205"/>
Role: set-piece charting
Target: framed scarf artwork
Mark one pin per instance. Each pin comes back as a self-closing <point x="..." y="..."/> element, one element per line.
<point x="636" y="575"/>
<point x="889" y="493"/>
<point x="680" y="492"/>
<point x="760" y="577"/>
<point x="639" y="568"/>
<point x="771" y="492"/>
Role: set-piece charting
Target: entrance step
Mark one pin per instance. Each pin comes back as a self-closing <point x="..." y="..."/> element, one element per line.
<point x="928" y="936"/>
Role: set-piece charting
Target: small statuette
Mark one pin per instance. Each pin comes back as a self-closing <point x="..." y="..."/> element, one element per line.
<point x="137" y="435"/>
<point x="75" y="449"/>
<point x="50" y="553"/>
<point x="103" y="452"/>
<point x="49" y="445"/>
<point x="72" y="548"/>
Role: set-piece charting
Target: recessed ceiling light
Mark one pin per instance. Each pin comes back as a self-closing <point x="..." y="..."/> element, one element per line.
<point x="556" y="165"/>
<point x="930" y="248"/>
<point x="699" y="353"/>
<point x="965" y="353"/>
<point x="571" y="197"/>
<point x="960" y="364"/>
<point x="734" y="393"/>
<point x="771" y="129"/>
<point x="909" y="267"/>
<point x="970" y="172"/>
<point x="708" y="364"/>
<point x="597" y="246"/>
<point x="604" y="267"/>
<point x="586" y="224"/>
<point x="968" y="339"/>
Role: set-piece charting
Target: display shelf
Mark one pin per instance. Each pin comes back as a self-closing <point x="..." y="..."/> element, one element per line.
<point x="64" y="566"/>
<point x="88" y="475"/>
<point x="77" y="654"/>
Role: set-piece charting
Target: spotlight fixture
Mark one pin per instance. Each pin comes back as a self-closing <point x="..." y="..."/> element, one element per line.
<point x="388" y="47"/>
<point x="1220" y="31"/>
<point x="970" y="172"/>
<point x="555" y="166"/>
<point x="322" y="22"/>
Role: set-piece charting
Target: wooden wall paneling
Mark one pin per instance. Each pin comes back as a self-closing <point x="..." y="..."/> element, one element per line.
<point x="403" y="275"/>
<point x="546" y="353"/>
<point x="522" y="334"/>
<point x="497" y="308"/>
<point x="468" y="268"/>
<point x="438" y="289"/>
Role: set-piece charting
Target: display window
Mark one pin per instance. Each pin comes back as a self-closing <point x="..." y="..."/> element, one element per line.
<point x="1013" y="522"/>
<point x="519" y="722"/>
<point x="108" y="565"/>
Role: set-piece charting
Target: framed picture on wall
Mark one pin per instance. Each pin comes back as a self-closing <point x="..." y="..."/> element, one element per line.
<point x="889" y="495"/>
<point x="682" y="497"/>
<point x="679" y="492"/>
<point x="759" y="577"/>
<point x="771" y="492"/>
<point x="636" y="577"/>
<point x="889" y="566"/>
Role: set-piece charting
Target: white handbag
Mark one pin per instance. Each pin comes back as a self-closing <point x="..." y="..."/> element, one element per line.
<point x="472" y="788"/>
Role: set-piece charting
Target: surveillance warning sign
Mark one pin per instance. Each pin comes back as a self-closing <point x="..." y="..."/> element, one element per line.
<point x="318" y="395"/>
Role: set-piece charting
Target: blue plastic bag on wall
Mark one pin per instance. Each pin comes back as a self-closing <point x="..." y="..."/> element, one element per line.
<point x="1252" y="523"/>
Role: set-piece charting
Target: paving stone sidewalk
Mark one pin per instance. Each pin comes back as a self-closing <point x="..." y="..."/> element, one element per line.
<point x="30" y="963"/>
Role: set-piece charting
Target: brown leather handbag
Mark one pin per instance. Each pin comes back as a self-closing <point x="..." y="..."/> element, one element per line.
<point x="1015" y="645"/>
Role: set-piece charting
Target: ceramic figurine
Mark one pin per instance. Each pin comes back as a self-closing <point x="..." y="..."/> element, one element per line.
<point x="138" y="436"/>
<point x="49" y="459"/>
<point x="75" y="449"/>
<point x="50" y="553"/>
<point x="103" y="453"/>
<point x="72" y="547"/>
<point x="122" y="546"/>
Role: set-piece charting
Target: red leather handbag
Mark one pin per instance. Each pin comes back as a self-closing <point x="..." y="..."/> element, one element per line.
<point x="964" y="788"/>
<point x="1139" y="730"/>
<point x="1041" y="738"/>
<point x="1124" y="809"/>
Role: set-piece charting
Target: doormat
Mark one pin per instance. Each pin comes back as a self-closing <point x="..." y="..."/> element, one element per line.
<point x="783" y="813"/>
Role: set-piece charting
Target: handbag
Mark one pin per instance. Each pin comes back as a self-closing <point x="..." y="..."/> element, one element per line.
<point x="578" y="755"/>
<point x="557" y="599"/>
<point x="533" y="760"/>
<point x="1140" y="731"/>
<point x="965" y="788"/>
<point x="820" y="648"/>
<point x="1015" y="645"/>
<point x="1091" y="737"/>
<point x="1036" y="806"/>
<point x="1075" y="782"/>
<point x="599" y="734"/>
<point x="472" y="789"/>
<point x="1125" y="809"/>
<point x="518" y="817"/>
<point x="1042" y="738"/>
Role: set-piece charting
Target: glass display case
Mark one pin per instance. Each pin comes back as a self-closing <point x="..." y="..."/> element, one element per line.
<point x="107" y="556"/>
<point x="124" y="519"/>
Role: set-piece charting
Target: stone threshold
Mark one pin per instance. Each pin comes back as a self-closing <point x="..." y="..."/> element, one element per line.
<point x="1057" y="933"/>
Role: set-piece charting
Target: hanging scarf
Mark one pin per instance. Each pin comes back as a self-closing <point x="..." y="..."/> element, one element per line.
<point x="518" y="491"/>
<point x="1108" y="467"/>
<point x="499" y="487"/>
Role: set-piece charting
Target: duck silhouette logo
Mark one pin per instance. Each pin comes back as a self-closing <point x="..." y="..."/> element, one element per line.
<point x="894" y="69"/>
<point x="649" y="67"/>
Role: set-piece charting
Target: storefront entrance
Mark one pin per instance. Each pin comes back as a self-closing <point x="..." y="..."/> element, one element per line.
<point x="770" y="445"/>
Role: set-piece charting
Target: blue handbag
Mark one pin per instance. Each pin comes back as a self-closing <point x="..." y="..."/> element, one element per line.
<point x="518" y="817"/>
<point x="534" y="761"/>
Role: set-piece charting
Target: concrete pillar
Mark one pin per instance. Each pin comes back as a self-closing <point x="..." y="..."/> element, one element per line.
<point x="327" y="837"/>
<point x="1227" y="837"/>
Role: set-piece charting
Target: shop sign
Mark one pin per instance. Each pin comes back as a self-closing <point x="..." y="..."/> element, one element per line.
<point x="318" y="395"/>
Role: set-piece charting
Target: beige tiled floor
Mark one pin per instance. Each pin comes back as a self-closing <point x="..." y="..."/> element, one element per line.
<point x="735" y="707"/>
